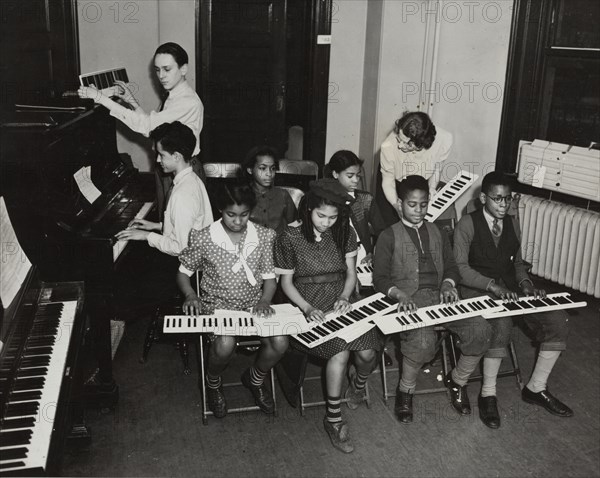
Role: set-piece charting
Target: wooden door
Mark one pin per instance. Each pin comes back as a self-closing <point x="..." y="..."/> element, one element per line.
<point x="243" y="76"/>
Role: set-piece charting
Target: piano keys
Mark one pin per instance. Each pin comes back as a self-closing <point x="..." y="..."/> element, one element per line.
<point x="288" y="320"/>
<point x="435" y="315"/>
<point x="451" y="191"/>
<point x="334" y="324"/>
<point x="40" y="377"/>
<point x="531" y="305"/>
<point x="364" y="272"/>
<point x="105" y="80"/>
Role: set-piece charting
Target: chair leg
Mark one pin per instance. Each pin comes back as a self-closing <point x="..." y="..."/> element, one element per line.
<point x="515" y="362"/>
<point x="275" y="413"/>
<point x="150" y="338"/>
<point x="384" y="379"/>
<point x="183" y="351"/>
<point x="201" y="383"/>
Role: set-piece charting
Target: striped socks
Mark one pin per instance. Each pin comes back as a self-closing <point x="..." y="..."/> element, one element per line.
<point x="257" y="376"/>
<point x="213" y="382"/>
<point x="334" y="411"/>
<point x="360" y="380"/>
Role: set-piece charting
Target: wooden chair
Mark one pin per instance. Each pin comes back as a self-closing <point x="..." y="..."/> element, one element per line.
<point x="296" y="173"/>
<point x="154" y="331"/>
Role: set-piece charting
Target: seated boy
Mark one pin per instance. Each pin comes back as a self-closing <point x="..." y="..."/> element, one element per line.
<point x="487" y="248"/>
<point x="414" y="265"/>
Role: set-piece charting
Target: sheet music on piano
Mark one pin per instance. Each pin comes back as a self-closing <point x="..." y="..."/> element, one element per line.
<point x="83" y="178"/>
<point x="15" y="263"/>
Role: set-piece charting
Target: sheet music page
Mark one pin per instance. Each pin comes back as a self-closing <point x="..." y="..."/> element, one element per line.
<point x="83" y="178"/>
<point x="15" y="264"/>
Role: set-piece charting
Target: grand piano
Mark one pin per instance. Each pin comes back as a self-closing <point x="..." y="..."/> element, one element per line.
<point x="68" y="237"/>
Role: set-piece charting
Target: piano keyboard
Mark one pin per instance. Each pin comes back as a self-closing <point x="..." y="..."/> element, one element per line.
<point x="531" y="305"/>
<point x="118" y="246"/>
<point x="288" y="320"/>
<point x="104" y="80"/>
<point x="436" y="314"/>
<point x="364" y="273"/>
<point x="27" y="423"/>
<point x="365" y="309"/>
<point x="446" y="196"/>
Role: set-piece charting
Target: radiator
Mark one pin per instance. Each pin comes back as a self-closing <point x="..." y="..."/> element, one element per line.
<point x="561" y="242"/>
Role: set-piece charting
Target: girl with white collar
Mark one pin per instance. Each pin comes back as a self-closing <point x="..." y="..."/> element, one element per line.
<point x="236" y="259"/>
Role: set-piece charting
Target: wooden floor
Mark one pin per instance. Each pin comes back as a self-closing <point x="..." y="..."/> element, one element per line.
<point x="156" y="429"/>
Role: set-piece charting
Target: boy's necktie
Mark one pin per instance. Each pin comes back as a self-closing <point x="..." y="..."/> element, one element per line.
<point x="496" y="228"/>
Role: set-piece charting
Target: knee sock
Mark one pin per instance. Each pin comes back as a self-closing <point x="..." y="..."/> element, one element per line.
<point x="360" y="380"/>
<point x="257" y="376"/>
<point x="491" y="365"/>
<point x="464" y="368"/>
<point x="543" y="367"/>
<point x="213" y="382"/>
<point x="334" y="411"/>
<point x="410" y="372"/>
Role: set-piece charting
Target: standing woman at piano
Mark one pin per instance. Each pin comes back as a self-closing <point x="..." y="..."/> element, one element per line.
<point x="236" y="259"/>
<point x="414" y="147"/>
<point x="180" y="103"/>
<point x="316" y="258"/>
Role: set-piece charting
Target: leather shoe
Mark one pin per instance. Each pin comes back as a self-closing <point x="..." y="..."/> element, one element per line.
<point x="355" y="397"/>
<point x="488" y="411"/>
<point x="548" y="401"/>
<point x="339" y="435"/>
<point x="458" y="396"/>
<point x="404" y="406"/>
<point x="261" y="394"/>
<point x="216" y="401"/>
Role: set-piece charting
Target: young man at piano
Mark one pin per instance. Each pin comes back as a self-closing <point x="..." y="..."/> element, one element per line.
<point x="414" y="265"/>
<point x="188" y="205"/>
<point x="180" y="103"/>
<point x="487" y="248"/>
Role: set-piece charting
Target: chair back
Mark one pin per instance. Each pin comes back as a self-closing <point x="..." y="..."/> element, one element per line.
<point x="295" y="193"/>
<point x="221" y="170"/>
<point x="296" y="173"/>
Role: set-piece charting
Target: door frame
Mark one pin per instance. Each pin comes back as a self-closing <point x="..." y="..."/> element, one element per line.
<point x="316" y="81"/>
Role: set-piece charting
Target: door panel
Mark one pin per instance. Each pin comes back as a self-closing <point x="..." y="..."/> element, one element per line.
<point x="243" y="76"/>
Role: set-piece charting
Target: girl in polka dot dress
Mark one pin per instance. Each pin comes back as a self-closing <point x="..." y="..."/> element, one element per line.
<point x="236" y="259"/>
<point x="317" y="262"/>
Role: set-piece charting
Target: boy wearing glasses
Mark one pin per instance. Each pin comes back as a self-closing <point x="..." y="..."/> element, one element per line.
<point x="487" y="248"/>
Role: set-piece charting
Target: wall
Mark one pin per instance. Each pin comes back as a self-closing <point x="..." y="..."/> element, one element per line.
<point x="115" y="33"/>
<point x="348" y="29"/>
<point x="466" y="95"/>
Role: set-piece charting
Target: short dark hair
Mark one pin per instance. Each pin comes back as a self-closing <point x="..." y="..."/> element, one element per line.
<point x="409" y="184"/>
<point x="173" y="137"/>
<point x="252" y="156"/>
<point x="175" y="50"/>
<point x="235" y="193"/>
<point x="342" y="160"/>
<point x="495" y="178"/>
<point x="418" y="127"/>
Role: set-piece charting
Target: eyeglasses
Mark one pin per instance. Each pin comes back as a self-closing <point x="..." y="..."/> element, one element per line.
<point x="498" y="199"/>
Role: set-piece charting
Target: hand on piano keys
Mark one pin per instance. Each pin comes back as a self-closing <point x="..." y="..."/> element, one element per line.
<point x="263" y="309"/>
<point x="191" y="304"/>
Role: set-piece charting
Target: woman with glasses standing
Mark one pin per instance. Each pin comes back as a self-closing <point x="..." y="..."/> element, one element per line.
<point x="414" y="147"/>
